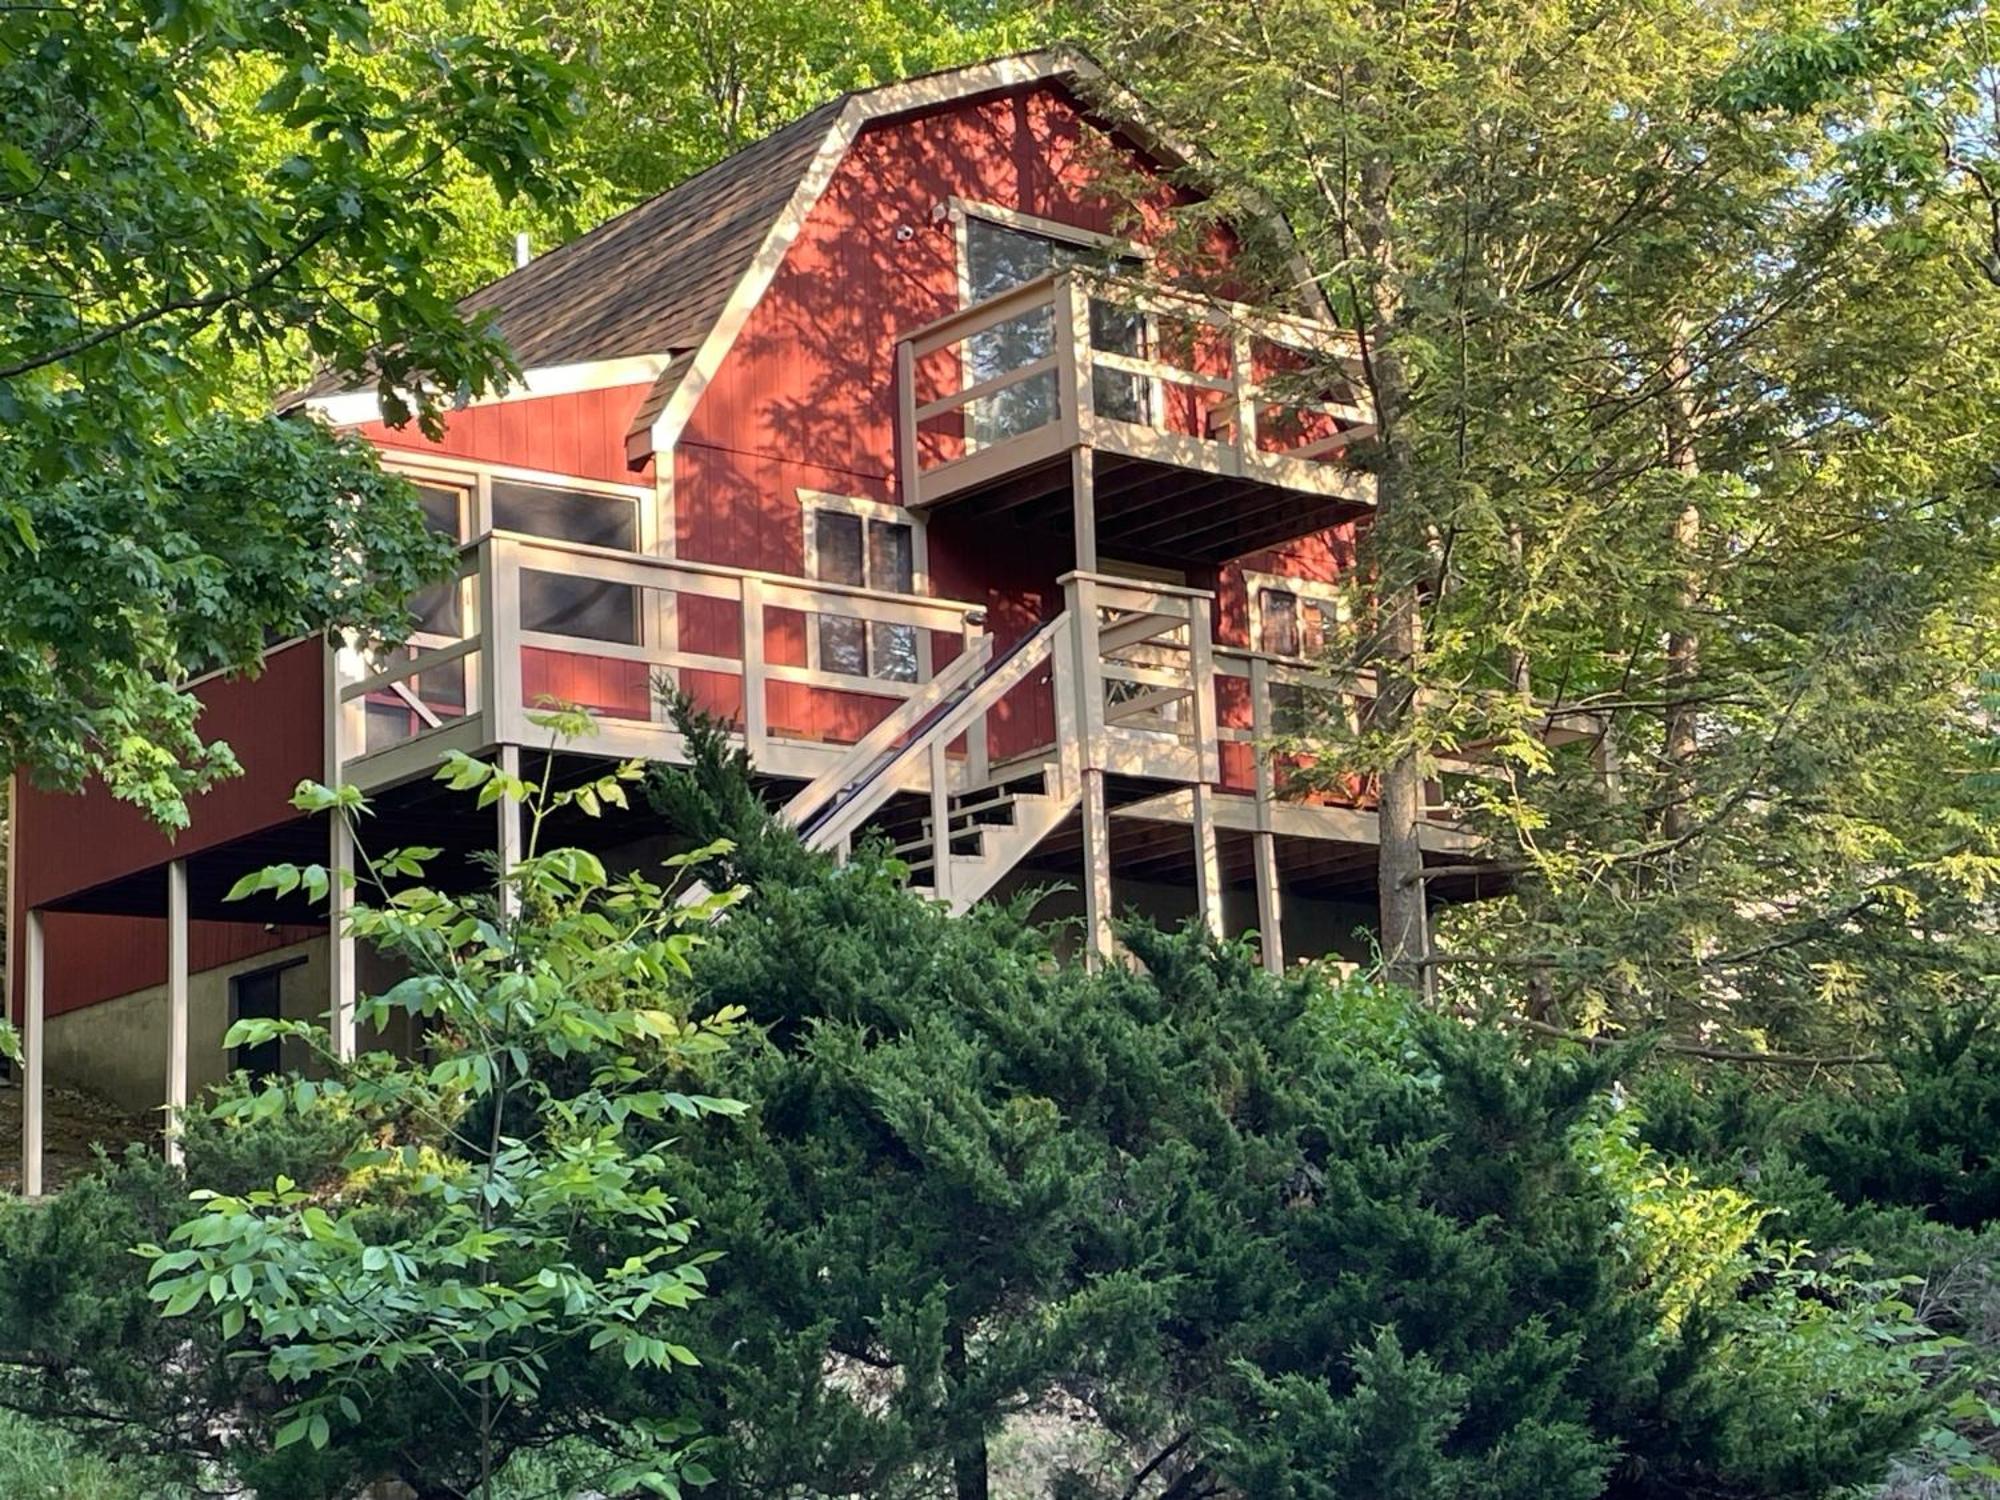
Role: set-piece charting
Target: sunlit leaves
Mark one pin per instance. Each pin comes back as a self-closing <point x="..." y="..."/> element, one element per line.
<point x="504" y="1205"/>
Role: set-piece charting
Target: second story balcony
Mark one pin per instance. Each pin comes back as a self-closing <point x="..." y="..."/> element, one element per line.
<point x="1153" y="425"/>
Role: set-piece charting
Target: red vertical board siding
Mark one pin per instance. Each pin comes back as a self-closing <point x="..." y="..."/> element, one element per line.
<point x="273" y="723"/>
<point x="806" y="398"/>
<point x="66" y="844"/>
<point x="581" y="433"/>
<point x="93" y="958"/>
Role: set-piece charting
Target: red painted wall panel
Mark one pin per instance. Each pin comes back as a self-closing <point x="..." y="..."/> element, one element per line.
<point x="273" y="723"/>
<point x="582" y="433"/>
<point x="93" y="958"/>
<point x="806" y="397"/>
<point x="67" y="844"/>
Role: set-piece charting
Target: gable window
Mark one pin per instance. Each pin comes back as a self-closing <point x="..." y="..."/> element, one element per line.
<point x="1000" y="257"/>
<point x="867" y="545"/>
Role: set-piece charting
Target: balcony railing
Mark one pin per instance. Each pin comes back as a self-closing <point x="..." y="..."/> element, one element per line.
<point x="545" y="622"/>
<point x="1080" y="359"/>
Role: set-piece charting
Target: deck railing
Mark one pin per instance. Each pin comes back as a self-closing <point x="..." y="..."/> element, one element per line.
<point x="1081" y="359"/>
<point x="546" y="622"/>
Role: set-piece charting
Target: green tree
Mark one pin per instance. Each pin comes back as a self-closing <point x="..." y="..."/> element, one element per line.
<point x="192" y="199"/>
<point x="1203" y="1232"/>
<point x="1679" y="324"/>
<point x="511" y="1222"/>
<point x="425" y="1262"/>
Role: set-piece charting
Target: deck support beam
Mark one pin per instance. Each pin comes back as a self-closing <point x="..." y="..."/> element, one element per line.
<point x="1083" y="507"/>
<point x="177" y="1009"/>
<point x="1270" y="903"/>
<point x="507" y="833"/>
<point x="1207" y="861"/>
<point x="34" y="1078"/>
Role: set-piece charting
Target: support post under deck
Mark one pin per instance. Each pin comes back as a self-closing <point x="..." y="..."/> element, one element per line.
<point x="342" y="979"/>
<point x="1207" y="860"/>
<point x="34" y="1077"/>
<point x="177" y="1008"/>
<point x="1096" y="870"/>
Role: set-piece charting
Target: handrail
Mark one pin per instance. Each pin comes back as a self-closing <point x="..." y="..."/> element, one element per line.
<point x="906" y="718"/>
<point x="872" y="784"/>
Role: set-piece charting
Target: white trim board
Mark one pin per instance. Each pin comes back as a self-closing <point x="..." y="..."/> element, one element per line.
<point x="352" y="408"/>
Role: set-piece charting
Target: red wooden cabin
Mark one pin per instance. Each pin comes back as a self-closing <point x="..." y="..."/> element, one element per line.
<point x="914" y="442"/>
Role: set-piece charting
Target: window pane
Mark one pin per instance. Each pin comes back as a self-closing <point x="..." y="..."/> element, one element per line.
<point x="837" y="544"/>
<point x="998" y="259"/>
<point x="891" y="557"/>
<point x="892" y="649"/>
<point x="1281" y="622"/>
<point x="842" y="646"/>
<point x="560" y="604"/>
<point x="565" y="515"/>
<point x="1317" y="618"/>
<point x="436" y="607"/>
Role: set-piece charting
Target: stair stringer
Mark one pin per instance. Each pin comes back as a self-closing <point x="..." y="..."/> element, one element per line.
<point x="1004" y="845"/>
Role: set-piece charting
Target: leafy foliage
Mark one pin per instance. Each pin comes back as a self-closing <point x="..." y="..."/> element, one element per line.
<point x="1679" y="320"/>
<point x="192" y="198"/>
<point x="1268" y="1237"/>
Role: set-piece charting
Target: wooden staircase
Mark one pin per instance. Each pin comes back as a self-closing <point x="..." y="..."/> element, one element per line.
<point x="970" y="828"/>
<point x="991" y="829"/>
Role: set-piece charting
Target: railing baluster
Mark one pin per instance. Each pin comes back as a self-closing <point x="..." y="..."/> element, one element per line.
<point x="756" y="727"/>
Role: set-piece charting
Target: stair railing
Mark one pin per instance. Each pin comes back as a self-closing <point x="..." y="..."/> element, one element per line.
<point x="913" y="755"/>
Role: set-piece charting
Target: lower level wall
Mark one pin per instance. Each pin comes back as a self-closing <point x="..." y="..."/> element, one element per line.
<point x="117" y="1049"/>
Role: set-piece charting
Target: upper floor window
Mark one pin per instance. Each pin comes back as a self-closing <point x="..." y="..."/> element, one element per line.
<point x="447" y="511"/>
<point x="867" y="545"/>
<point x="553" y="601"/>
<point x="1000" y="256"/>
<point x="1292" y="617"/>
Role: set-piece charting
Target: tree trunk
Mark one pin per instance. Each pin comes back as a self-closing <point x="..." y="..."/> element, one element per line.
<point x="969" y="1476"/>
<point x="1399" y="541"/>
<point x="1683" y="663"/>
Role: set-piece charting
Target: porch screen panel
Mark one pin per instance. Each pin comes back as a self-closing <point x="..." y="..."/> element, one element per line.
<point x="437" y="608"/>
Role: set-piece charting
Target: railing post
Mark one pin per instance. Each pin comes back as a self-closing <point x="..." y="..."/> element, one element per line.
<point x="1088" y="673"/>
<point x="1070" y="308"/>
<point x="756" y="710"/>
<point x="1201" y="662"/>
<point x="1243" y="389"/>
<point x="1270" y="898"/>
<point x="500" y="639"/>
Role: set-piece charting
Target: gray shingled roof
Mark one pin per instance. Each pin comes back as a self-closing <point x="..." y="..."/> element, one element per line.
<point x="656" y="277"/>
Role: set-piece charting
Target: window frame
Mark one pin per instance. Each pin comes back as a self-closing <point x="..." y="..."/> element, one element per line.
<point x="1307" y="590"/>
<point x="655" y="619"/>
<point x="811" y="503"/>
<point x="275" y="972"/>
<point x="961" y="211"/>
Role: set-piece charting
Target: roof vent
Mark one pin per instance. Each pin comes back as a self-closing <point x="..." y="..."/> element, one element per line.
<point x="522" y="253"/>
